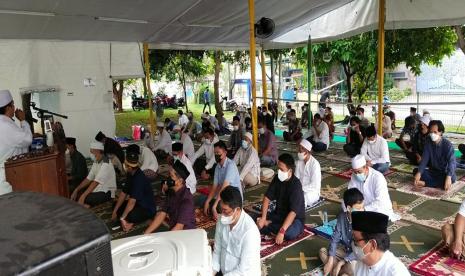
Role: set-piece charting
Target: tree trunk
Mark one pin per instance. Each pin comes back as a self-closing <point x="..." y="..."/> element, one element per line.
<point x="273" y="92"/>
<point x="232" y="82"/>
<point x="460" y="37"/>
<point x="183" y="81"/>
<point x="118" y="87"/>
<point x="216" y="83"/>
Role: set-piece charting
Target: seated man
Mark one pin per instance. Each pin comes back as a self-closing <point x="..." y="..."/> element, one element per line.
<point x="268" y="151"/>
<point x="308" y="171"/>
<point x="320" y="134"/>
<point x="340" y="261"/>
<point x="405" y="139"/>
<point x="287" y="220"/>
<point x="186" y="141"/>
<point x="169" y="125"/>
<point x="178" y="155"/>
<point x="304" y="119"/>
<point x="386" y="127"/>
<point x="237" y="240"/>
<point x="355" y="136"/>
<point x="438" y="156"/>
<point x="136" y="202"/>
<point x="223" y="125"/>
<point x="147" y="160"/>
<point x="373" y="186"/>
<point x="454" y="234"/>
<point x="360" y="113"/>
<point x="163" y="145"/>
<point x="78" y="164"/>
<point x="376" y="151"/>
<point x="248" y="162"/>
<point x="328" y="118"/>
<point x="294" y="132"/>
<point x="236" y="137"/>
<point x="194" y="128"/>
<point x="100" y="185"/>
<point x="182" y="119"/>
<point x="414" y="114"/>
<point x="179" y="204"/>
<point x="111" y="146"/>
<point x="205" y="168"/>
<point x="371" y="246"/>
<point x="268" y="119"/>
<point x="226" y="174"/>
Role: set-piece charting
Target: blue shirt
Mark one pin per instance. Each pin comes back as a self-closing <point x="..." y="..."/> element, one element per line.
<point x="141" y="190"/>
<point x="439" y="157"/>
<point x="206" y="96"/>
<point x="227" y="172"/>
<point x="342" y="235"/>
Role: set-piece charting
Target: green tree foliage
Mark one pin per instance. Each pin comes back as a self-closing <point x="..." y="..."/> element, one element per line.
<point x="460" y="31"/>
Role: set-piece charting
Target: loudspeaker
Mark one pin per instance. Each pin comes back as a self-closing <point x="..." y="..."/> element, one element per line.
<point x="43" y="234"/>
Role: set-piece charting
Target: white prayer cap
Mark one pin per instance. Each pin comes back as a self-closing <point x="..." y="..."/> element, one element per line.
<point x="306" y="144"/>
<point x="160" y="124"/>
<point x="5" y="97"/>
<point x="425" y="112"/>
<point x="425" y="120"/>
<point x="96" y="145"/>
<point x="358" y="162"/>
<point x="249" y="136"/>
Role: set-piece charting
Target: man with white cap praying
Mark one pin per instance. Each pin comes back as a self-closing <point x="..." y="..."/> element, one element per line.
<point x="308" y="171"/>
<point x="14" y="139"/>
<point x="248" y="162"/>
<point x="373" y="186"/>
<point x="163" y="145"/>
<point x="100" y="185"/>
<point x="376" y="151"/>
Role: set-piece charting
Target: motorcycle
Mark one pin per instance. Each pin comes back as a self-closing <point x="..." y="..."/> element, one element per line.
<point x="139" y="104"/>
<point x="181" y="101"/>
<point x="171" y="102"/>
<point x="230" y="104"/>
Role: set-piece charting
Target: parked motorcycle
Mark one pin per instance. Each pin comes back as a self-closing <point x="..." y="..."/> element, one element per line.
<point x="181" y="101"/>
<point x="230" y="104"/>
<point x="139" y="104"/>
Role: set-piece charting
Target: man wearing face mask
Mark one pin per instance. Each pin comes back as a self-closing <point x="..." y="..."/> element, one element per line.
<point x="136" y="202"/>
<point x="371" y="246"/>
<point x="236" y="137"/>
<point x="147" y="160"/>
<point x="179" y="204"/>
<point x="438" y="156"/>
<point x="355" y="136"/>
<point x="342" y="260"/>
<point x="178" y="155"/>
<point x="248" y="162"/>
<point x="182" y="120"/>
<point x="100" y="185"/>
<point x="163" y="145"/>
<point x="78" y="164"/>
<point x="206" y="167"/>
<point x="373" y="186"/>
<point x="294" y="130"/>
<point x="308" y="171"/>
<point x="360" y="113"/>
<point x="287" y="220"/>
<point x="268" y="151"/>
<point x="376" y="151"/>
<point x="226" y="174"/>
<point x="268" y="119"/>
<point x="414" y="114"/>
<point x="237" y="240"/>
<point x="320" y="134"/>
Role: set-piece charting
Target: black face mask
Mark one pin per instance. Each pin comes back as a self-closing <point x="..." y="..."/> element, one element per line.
<point x="217" y="158"/>
<point x="170" y="183"/>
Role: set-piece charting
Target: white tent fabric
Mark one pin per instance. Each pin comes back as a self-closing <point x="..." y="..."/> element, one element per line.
<point x="362" y="15"/>
<point x="67" y="66"/>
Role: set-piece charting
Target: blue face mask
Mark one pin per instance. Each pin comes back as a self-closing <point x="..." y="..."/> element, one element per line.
<point x="361" y="177"/>
<point x="245" y="145"/>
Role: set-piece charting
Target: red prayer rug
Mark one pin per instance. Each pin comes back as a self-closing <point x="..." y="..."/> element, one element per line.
<point x="202" y="221"/>
<point x="270" y="248"/>
<point x="432" y="193"/>
<point x="438" y="262"/>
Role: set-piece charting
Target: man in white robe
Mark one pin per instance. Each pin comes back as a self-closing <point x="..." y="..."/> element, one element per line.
<point x="308" y="171"/>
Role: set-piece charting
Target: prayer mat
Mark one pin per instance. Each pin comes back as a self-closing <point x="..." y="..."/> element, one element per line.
<point x="315" y="216"/>
<point x="432" y="193"/>
<point x="397" y="180"/>
<point x="340" y="156"/>
<point x="257" y="208"/>
<point x="202" y="221"/>
<point x="325" y="231"/>
<point x="266" y="175"/>
<point x="457" y="197"/>
<point x="348" y="173"/>
<point x="397" y="154"/>
<point x="438" y="262"/>
<point x="333" y="166"/>
<point x="429" y="213"/>
<point x="405" y="168"/>
<point x="333" y="188"/>
<point x="270" y="248"/>
<point x="400" y="201"/>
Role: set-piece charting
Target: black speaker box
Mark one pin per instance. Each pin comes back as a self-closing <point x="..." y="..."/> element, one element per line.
<point x="42" y="234"/>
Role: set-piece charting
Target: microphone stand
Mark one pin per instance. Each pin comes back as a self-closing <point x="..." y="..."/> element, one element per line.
<point x="41" y="114"/>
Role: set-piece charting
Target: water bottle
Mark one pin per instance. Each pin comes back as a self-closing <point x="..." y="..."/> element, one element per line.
<point x="325" y="218"/>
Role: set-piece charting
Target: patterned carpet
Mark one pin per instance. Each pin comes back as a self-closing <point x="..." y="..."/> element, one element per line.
<point x="411" y="238"/>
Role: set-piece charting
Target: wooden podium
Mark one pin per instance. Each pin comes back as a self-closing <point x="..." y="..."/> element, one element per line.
<point x="45" y="174"/>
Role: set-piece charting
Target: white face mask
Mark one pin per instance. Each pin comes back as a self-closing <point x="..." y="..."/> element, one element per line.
<point x="92" y="156"/>
<point x="261" y="130"/>
<point x="371" y="141"/>
<point x="283" y="176"/>
<point x="208" y="142"/>
<point x="301" y="155"/>
<point x="434" y="137"/>
<point x="358" y="251"/>
<point x="67" y="151"/>
<point x="236" y="128"/>
<point x="227" y="220"/>
<point x="245" y="144"/>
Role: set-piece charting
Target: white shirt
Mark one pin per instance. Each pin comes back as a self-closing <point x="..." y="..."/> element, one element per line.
<point x="104" y="174"/>
<point x="208" y="150"/>
<point x="237" y="251"/>
<point x="375" y="193"/>
<point x="183" y="121"/>
<point x="164" y="142"/>
<point x="388" y="265"/>
<point x="309" y="174"/>
<point x="191" y="181"/>
<point x="378" y="152"/>
<point x="323" y="129"/>
<point x="187" y="146"/>
<point x="147" y="159"/>
<point x="248" y="162"/>
<point x="14" y="140"/>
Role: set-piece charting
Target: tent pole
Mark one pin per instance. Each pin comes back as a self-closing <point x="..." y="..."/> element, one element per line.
<point x="252" y="54"/>
<point x="265" y="93"/>
<point x="149" y="90"/>
<point x="381" y="19"/>
<point x="309" y="79"/>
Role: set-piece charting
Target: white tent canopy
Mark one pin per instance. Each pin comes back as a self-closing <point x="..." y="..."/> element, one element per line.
<point x="362" y="15"/>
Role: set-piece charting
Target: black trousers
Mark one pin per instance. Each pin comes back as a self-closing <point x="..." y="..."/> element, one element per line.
<point x="199" y="166"/>
<point x="94" y="199"/>
<point x="137" y="214"/>
<point x="351" y="150"/>
<point x="209" y="107"/>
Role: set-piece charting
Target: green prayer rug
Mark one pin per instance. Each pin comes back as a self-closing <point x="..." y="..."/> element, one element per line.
<point x="430" y="213"/>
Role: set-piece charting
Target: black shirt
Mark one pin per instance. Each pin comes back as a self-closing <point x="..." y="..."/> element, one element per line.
<point x="113" y="147"/>
<point x="139" y="188"/>
<point x="289" y="197"/>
